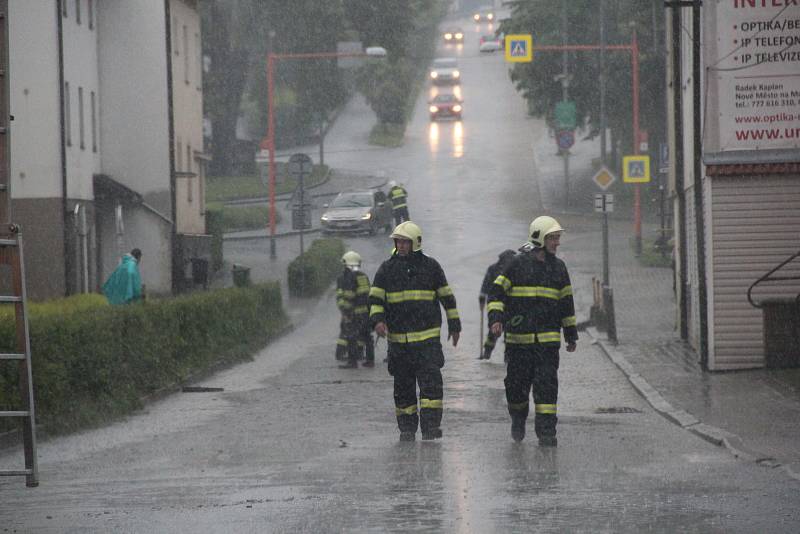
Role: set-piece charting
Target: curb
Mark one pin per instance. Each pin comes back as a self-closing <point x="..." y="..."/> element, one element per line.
<point x="684" y="419"/>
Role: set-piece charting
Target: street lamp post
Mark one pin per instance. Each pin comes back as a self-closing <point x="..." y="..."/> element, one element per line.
<point x="374" y="51"/>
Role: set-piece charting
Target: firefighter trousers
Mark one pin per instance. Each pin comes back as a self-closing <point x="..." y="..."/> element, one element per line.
<point x="413" y="364"/>
<point x="400" y="215"/>
<point x="354" y="336"/>
<point x="533" y="366"/>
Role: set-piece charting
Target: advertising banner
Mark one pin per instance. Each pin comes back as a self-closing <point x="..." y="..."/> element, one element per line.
<point x="752" y="65"/>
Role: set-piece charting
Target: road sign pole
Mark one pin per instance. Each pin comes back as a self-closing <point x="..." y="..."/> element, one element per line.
<point x="637" y="218"/>
<point x="637" y="211"/>
<point x="606" y="274"/>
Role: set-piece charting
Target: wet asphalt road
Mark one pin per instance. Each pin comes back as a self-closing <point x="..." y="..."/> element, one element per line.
<point x="295" y="444"/>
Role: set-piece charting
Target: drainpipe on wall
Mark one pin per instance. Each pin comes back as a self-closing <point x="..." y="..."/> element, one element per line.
<point x="64" y="211"/>
<point x="699" y="214"/>
<point x="680" y="193"/>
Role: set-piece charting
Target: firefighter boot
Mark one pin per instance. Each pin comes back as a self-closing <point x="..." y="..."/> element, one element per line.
<point x="408" y="436"/>
<point x="433" y="433"/>
<point x="518" y="428"/>
<point x="548" y="441"/>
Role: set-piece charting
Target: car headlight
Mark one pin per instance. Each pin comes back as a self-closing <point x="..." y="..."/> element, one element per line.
<point x="433" y="109"/>
<point x="490" y="16"/>
<point x="324" y="218"/>
<point x="476" y="17"/>
<point x="448" y="36"/>
<point x="456" y="74"/>
<point x="367" y="216"/>
<point x="459" y="36"/>
<point x="456" y="108"/>
<point x="434" y="74"/>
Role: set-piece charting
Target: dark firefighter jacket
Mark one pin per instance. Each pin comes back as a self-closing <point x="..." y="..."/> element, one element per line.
<point x="406" y="294"/>
<point x="533" y="301"/>
<point x="495" y="270"/>
<point x="352" y="295"/>
<point x="398" y="196"/>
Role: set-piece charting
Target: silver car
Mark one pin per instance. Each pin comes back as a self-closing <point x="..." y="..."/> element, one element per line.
<point x="358" y="211"/>
<point x="444" y="71"/>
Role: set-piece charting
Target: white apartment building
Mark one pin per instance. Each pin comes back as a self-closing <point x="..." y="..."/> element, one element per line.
<point x="103" y="114"/>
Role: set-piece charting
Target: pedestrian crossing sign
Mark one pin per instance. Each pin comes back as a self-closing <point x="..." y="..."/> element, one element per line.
<point x="519" y="48"/>
<point x="636" y="169"/>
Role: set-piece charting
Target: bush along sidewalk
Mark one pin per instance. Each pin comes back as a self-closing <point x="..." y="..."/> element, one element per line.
<point x="93" y="362"/>
<point x="313" y="272"/>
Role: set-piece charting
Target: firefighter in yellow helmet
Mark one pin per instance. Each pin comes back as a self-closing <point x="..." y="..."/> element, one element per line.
<point x="532" y="302"/>
<point x="352" y="295"/>
<point x="404" y="301"/>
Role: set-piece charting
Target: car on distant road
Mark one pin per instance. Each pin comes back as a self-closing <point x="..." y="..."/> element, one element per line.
<point x="445" y="71"/>
<point x="445" y="105"/>
<point x="485" y="14"/>
<point x="490" y="43"/>
<point x="453" y="36"/>
<point x="357" y="211"/>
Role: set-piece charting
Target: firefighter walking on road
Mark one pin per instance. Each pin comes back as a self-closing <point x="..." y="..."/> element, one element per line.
<point x="399" y="197"/>
<point x="404" y="301"/>
<point x="494" y="270"/>
<point x="352" y="296"/>
<point x="532" y="301"/>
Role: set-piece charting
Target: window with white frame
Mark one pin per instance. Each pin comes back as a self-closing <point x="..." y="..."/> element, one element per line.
<point x="80" y="119"/>
<point x="93" y="105"/>
<point x="186" y="54"/>
<point x="190" y="180"/>
<point x="175" y="47"/>
<point x="67" y="117"/>
<point x="198" y="46"/>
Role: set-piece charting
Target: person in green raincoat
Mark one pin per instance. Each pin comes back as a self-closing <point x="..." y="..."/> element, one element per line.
<point x="125" y="283"/>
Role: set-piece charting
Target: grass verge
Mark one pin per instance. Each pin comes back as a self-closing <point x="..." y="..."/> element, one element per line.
<point x="387" y="135"/>
<point x="223" y="188"/>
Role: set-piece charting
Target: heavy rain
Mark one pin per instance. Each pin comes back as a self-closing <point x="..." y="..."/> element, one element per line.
<point x="399" y="266"/>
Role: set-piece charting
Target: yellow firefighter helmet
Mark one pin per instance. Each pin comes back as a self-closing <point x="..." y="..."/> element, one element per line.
<point x="541" y="227"/>
<point x="409" y="230"/>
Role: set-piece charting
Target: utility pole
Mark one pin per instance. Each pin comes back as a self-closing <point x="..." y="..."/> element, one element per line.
<point x="608" y="292"/>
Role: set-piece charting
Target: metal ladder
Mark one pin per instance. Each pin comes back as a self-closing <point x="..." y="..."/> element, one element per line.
<point x="11" y="256"/>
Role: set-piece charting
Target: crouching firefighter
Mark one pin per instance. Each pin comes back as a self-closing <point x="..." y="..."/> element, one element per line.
<point x="404" y="307"/>
<point x="532" y="302"/>
<point x="352" y="295"/>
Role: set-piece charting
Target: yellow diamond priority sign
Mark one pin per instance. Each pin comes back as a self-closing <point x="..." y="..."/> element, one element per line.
<point x="604" y="178"/>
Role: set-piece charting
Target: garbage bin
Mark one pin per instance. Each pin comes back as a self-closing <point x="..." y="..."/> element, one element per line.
<point x="200" y="272"/>
<point x="241" y="275"/>
<point x="781" y="332"/>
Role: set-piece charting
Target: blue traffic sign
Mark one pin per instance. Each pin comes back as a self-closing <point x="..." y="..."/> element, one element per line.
<point x="565" y="139"/>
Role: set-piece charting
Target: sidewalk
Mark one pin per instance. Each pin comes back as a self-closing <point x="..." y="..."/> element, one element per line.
<point x="755" y="414"/>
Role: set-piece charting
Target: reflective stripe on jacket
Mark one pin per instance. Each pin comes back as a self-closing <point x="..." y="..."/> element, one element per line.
<point x="406" y="295"/>
<point x="352" y="294"/>
<point x="398" y="196"/>
<point x="533" y="300"/>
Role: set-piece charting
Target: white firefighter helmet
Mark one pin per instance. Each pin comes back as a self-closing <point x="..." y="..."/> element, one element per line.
<point x="352" y="260"/>
<point x="391" y="183"/>
<point x="409" y="230"/>
<point x="541" y="227"/>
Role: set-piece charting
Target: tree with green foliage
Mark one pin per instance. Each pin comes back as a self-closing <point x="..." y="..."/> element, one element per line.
<point x="237" y="36"/>
<point x="537" y="80"/>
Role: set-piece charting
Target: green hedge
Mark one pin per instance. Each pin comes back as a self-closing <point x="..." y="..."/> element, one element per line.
<point x="93" y="362"/>
<point x="321" y="264"/>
